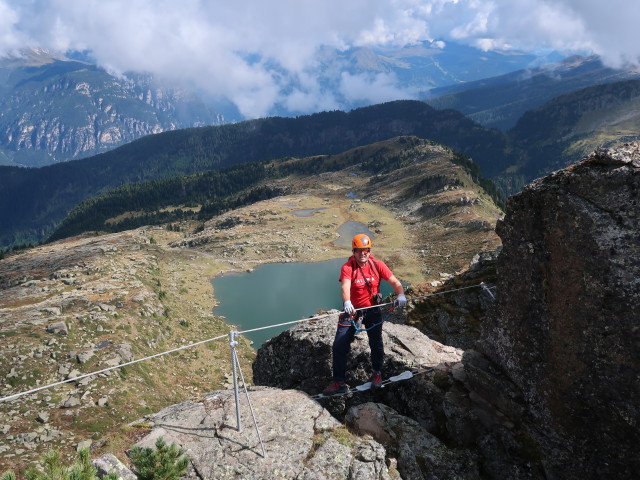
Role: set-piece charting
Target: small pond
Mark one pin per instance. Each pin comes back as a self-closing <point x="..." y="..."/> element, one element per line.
<point x="306" y="212"/>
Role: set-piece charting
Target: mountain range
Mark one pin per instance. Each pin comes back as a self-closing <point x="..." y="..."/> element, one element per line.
<point x="54" y="108"/>
<point x="544" y="139"/>
<point x="26" y="213"/>
<point x="555" y="133"/>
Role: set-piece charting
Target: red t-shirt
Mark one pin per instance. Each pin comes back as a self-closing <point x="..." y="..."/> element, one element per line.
<point x="360" y="295"/>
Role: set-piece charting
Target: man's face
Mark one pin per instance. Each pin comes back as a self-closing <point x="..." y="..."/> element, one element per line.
<point x="362" y="254"/>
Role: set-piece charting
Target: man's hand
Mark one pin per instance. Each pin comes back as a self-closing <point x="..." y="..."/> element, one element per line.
<point x="401" y="300"/>
<point x="348" y="307"/>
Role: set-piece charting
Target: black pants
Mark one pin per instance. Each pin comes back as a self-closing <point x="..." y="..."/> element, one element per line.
<point x="344" y="337"/>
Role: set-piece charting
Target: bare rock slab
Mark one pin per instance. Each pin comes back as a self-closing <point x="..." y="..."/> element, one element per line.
<point x="301" y="439"/>
<point x="108" y="463"/>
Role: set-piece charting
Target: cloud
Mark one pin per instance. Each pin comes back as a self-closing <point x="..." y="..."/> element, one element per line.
<point x="263" y="54"/>
<point x="589" y="26"/>
<point x="367" y="88"/>
<point x="10" y="38"/>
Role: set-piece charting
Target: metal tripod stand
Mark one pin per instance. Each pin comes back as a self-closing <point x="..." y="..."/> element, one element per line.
<point x="236" y="369"/>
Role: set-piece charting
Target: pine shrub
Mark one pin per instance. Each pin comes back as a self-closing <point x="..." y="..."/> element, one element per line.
<point x="163" y="463"/>
<point x="82" y="469"/>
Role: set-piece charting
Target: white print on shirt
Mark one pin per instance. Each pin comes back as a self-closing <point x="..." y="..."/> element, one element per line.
<point x="360" y="281"/>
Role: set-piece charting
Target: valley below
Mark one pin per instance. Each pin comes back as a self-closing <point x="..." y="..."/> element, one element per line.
<point x="95" y="301"/>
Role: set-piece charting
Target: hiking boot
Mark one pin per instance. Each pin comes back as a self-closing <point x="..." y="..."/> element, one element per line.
<point x="336" y="388"/>
<point x="376" y="380"/>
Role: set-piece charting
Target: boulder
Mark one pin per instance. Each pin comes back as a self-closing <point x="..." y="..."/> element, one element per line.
<point x="84" y="357"/>
<point x="125" y="352"/>
<point x="300" y="358"/>
<point x="108" y="463"/>
<point x="58" y="328"/>
<point x="43" y="417"/>
<point x="70" y="402"/>
<point x="565" y="329"/>
<point x="301" y="439"/>
<point x="420" y="455"/>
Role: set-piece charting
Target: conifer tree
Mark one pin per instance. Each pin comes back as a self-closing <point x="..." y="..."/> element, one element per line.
<point x="163" y="463"/>
<point x="82" y="469"/>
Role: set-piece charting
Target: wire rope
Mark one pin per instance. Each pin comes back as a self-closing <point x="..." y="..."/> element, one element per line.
<point x="184" y="347"/>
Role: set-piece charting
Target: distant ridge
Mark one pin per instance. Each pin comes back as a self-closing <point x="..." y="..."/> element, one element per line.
<point x="28" y="214"/>
<point x="572" y="125"/>
<point x="499" y="102"/>
<point x="159" y="202"/>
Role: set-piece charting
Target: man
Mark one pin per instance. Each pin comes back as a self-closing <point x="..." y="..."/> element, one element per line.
<point x="360" y="280"/>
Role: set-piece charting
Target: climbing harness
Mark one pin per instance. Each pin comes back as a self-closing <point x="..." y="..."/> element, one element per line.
<point x="406" y="375"/>
<point x="355" y="320"/>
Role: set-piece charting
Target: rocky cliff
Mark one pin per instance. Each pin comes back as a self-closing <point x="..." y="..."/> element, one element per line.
<point x="56" y="109"/>
<point x="565" y="327"/>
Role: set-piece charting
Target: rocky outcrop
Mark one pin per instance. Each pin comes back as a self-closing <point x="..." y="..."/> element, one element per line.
<point x="453" y="312"/>
<point x="564" y="331"/>
<point x="418" y="453"/>
<point x="300" y="358"/>
<point x="301" y="439"/>
<point x="550" y="391"/>
<point x="440" y="407"/>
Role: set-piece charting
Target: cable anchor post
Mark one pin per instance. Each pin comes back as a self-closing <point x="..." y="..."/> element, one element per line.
<point x="233" y="343"/>
<point x="487" y="289"/>
<point x="235" y="364"/>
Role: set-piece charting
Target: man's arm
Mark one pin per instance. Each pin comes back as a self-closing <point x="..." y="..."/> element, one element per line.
<point x="346" y="289"/>
<point x="395" y="284"/>
<point x="346" y="296"/>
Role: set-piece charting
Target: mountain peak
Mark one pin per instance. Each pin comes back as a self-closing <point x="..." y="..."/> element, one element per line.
<point x="32" y="57"/>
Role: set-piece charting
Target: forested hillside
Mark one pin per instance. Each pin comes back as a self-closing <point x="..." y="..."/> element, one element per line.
<point x="31" y="214"/>
<point x="203" y="195"/>
<point x="571" y="125"/>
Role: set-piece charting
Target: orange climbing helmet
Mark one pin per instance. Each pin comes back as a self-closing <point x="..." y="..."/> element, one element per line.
<point x="361" y="241"/>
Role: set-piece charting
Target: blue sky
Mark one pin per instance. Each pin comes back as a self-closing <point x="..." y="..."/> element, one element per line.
<point x="247" y="50"/>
